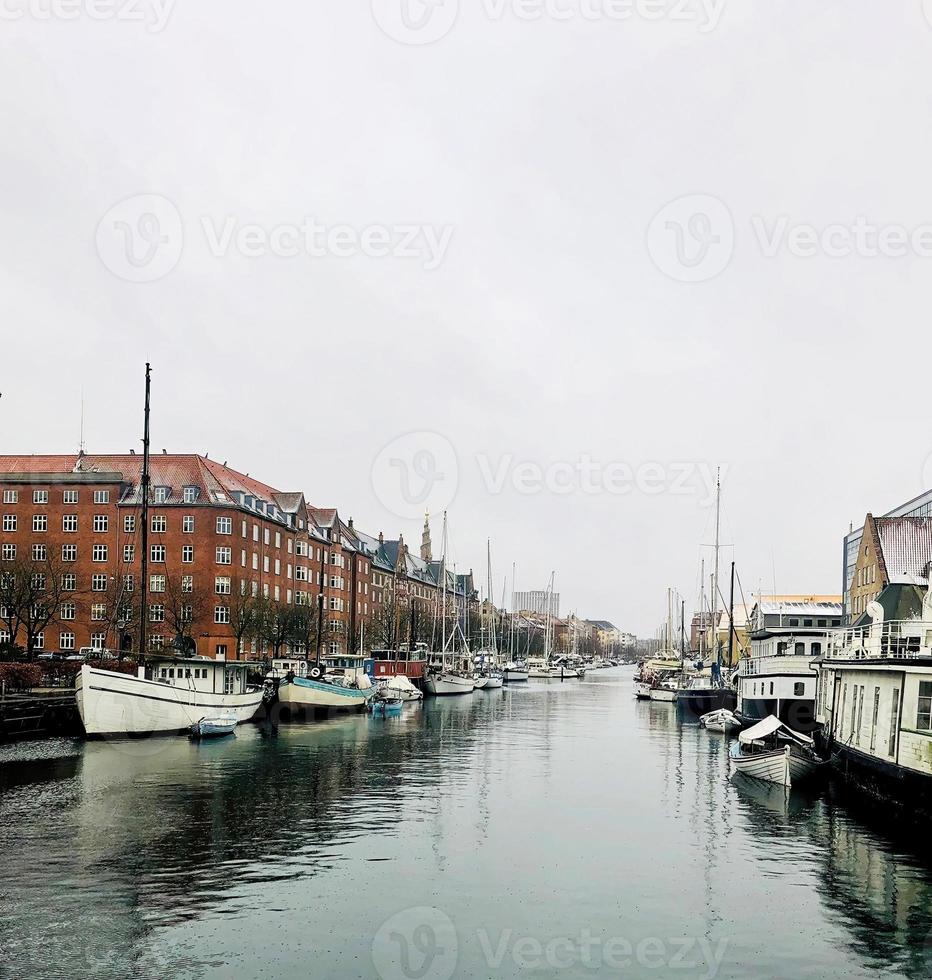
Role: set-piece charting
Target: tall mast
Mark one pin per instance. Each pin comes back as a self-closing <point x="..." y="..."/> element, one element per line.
<point x="731" y="619"/>
<point x="701" y="605"/>
<point x="144" y="494"/>
<point x="718" y="516"/>
<point x="443" y="576"/>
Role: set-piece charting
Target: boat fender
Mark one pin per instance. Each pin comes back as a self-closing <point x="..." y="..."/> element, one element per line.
<point x="315" y="673"/>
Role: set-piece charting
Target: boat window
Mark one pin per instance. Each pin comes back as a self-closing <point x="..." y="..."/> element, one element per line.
<point x="794" y="622"/>
<point x="800" y="649"/>
<point x="781" y="649"/>
<point x="171" y="671"/>
<point x="807" y="622"/>
<point x="799" y="689"/>
<point x="874" y="718"/>
<point x="771" y="687"/>
<point x="816" y="649"/>
<point x="163" y="673"/>
<point x="924" y="712"/>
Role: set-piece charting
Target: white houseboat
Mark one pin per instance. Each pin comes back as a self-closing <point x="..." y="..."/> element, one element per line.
<point x="874" y="700"/>
<point x="779" y="677"/>
<point x="168" y="694"/>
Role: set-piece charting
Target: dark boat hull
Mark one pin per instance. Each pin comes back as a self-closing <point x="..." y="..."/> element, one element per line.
<point x="909" y="791"/>
<point x="692" y="704"/>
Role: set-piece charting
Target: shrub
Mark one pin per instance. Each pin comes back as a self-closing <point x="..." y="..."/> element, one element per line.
<point x="20" y="677"/>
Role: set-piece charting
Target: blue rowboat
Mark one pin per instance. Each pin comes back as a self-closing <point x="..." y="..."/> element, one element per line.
<point x="214" y="727"/>
<point x="385" y="707"/>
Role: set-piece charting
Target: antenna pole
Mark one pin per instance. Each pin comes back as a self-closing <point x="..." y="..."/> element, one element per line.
<point x="144" y="494"/>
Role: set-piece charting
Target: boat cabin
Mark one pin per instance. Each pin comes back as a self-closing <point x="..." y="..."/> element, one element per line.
<point x="391" y="663"/>
<point x="200" y="674"/>
<point x="779" y="677"/>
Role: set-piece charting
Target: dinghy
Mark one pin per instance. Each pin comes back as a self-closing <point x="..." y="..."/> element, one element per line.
<point x="721" y="720"/>
<point x="215" y="727"/>
<point x="773" y="752"/>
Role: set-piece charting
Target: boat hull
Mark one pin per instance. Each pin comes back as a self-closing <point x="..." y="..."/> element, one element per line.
<point x="515" y="676"/>
<point x="112" y="704"/>
<point x="662" y="694"/>
<point x="782" y="766"/>
<point x="479" y="683"/>
<point x="444" y="685"/>
<point x="642" y="691"/>
<point x="213" y="727"/>
<point x="696" y="703"/>
<point x="492" y="683"/>
<point x="303" y="693"/>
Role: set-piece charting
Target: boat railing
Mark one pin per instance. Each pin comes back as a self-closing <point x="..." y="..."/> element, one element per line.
<point x="890" y="640"/>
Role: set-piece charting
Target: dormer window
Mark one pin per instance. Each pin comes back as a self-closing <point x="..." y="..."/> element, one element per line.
<point x="191" y="495"/>
<point x="162" y="494"/>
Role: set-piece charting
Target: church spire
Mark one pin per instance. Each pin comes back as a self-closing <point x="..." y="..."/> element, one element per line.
<point x="425" y="540"/>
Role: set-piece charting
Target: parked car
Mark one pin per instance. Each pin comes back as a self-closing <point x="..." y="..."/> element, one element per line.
<point x="91" y="653"/>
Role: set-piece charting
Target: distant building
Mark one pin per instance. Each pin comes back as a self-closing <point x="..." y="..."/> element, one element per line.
<point x="536" y="602"/>
<point x="920" y="506"/>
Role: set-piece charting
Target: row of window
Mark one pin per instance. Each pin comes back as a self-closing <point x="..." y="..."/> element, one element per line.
<point x="101" y="523"/>
<point x="67" y="496"/>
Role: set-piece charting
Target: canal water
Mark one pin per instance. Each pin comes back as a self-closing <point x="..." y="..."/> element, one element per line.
<point x="550" y="830"/>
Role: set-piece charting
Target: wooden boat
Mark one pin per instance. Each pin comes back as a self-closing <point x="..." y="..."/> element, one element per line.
<point x="385" y="707"/>
<point x="168" y="695"/>
<point x="302" y="693"/>
<point x="773" y="752"/>
<point x="721" y="720"/>
<point x="215" y="727"/>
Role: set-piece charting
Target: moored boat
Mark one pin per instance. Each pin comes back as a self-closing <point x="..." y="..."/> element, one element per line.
<point x="515" y="673"/>
<point x="215" y="727"/>
<point x="401" y="687"/>
<point x="301" y="693"/>
<point x="773" y="752"/>
<point x="168" y="695"/>
<point x="722" y="720"/>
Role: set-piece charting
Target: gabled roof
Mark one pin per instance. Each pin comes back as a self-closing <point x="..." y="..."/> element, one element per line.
<point x="906" y="546"/>
<point x="898" y="601"/>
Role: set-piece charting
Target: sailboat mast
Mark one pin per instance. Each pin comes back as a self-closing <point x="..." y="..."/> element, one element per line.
<point x="701" y="605"/>
<point x="443" y="576"/>
<point x="718" y="517"/>
<point x="144" y="494"/>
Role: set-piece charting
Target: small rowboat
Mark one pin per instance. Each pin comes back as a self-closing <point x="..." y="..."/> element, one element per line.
<point x="382" y="707"/>
<point x="773" y="752"/>
<point x="215" y="727"/>
<point x="721" y="720"/>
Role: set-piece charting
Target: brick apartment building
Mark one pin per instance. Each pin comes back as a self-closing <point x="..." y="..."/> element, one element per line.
<point x="219" y="541"/>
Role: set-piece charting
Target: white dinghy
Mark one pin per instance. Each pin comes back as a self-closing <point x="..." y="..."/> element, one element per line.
<point x="772" y="751"/>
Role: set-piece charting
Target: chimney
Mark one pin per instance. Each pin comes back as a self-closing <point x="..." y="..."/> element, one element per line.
<point x="381" y="538"/>
<point x="349" y="524"/>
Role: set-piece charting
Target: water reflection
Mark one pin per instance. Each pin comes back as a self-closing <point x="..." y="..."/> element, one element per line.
<point x="546" y="810"/>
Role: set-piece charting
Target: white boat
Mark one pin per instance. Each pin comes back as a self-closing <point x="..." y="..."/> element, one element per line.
<point x="515" y="673"/>
<point x="721" y="720"/>
<point x="215" y="727"/>
<point x="760" y="753"/>
<point x="493" y="682"/>
<point x="302" y="693"/>
<point x="401" y="687"/>
<point x="642" y="690"/>
<point x="447" y="683"/>
<point x="539" y="669"/>
<point x="664" y="691"/>
<point x="479" y="682"/>
<point x="167" y="695"/>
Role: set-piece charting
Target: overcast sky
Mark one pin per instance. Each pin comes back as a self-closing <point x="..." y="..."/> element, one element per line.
<point x="547" y="273"/>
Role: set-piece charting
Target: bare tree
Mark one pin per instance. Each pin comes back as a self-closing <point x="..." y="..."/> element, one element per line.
<point x="30" y="597"/>
<point x="305" y="619"/>
<point x="185" y="605"/>
<point x="275" y="624"/>
<point x="245" y="613"/>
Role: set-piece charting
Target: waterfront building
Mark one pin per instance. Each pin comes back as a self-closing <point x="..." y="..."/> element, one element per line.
<point x="891" y="551"/>
<point x="787" y="634"/>
<point x="874" y="703"/>
<point x="920" y="506"/>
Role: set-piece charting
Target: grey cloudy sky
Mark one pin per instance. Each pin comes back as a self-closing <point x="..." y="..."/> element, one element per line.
<point x="546" y="271"/>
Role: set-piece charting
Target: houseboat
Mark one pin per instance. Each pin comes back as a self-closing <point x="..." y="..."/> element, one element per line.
<point x="874" y="701"/>
<point x="400" y="663"/>
<point x="167" y="695"/>
<point x="779" y="677"/>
